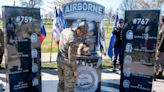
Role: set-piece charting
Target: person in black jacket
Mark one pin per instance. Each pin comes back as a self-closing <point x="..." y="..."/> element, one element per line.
<point x="118" y="43"/>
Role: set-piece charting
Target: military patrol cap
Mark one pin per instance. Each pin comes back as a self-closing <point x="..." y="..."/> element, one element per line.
<point x="120" y="21"/>
<point x="83" y="26"/>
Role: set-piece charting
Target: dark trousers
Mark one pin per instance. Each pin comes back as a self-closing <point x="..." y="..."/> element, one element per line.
<point x="10" y="35"/>
<point x="117" y="53"/>
<point x="1" y="57"/>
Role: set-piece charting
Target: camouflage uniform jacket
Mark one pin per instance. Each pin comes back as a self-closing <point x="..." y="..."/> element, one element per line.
<point x="68" y="48"/>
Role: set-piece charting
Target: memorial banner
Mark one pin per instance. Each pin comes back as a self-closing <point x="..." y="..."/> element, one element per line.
<point x="139" y="43"/>
<point x="88" y="59"/>
<point x="84" y="10"/>
<point x="22" y="48"/>
<point x="88" y="56"/>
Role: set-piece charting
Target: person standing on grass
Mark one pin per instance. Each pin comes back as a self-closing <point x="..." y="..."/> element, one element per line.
<point x="1" y="46"/>
<point x="66" y="59"/>
<point x="118" y="43"/>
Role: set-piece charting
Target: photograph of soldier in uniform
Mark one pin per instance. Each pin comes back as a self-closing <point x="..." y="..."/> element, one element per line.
<point x="13" y="60"/>
<point x="87" y="58"/>
<point x="88" y="46"/>
<point x="24" y="44"/>
<point x="20" y="51"/>
<point x="10" y="28"/>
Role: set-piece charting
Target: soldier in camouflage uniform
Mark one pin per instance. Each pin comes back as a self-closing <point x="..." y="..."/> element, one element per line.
<point x="66" y="58"/>
<point x="1" y="46"/>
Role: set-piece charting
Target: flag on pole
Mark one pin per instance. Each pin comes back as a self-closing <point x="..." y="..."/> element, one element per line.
<point x="102" y="38"/>
<point x="55" y="28"/>
<point x="59" y="24"/>
<point x="63" y="22"/>
<point x="116" y="21"/>
<point x="111" y="43"/>
<point x="112" y="39"/>
<point x="42" y="32"/>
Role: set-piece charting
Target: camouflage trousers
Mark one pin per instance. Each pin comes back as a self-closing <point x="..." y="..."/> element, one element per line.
<point x="66" y="78"/>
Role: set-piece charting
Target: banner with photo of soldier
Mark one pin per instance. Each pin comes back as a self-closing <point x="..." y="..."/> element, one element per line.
<point x="22" y="48"/>
<point x="139" y="43"/>
<point x="88" y="58"/>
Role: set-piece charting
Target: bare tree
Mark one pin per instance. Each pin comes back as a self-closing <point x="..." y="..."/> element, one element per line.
<point x="109" y="14"/>
<point x="152" y="4"/>
<point x="59" y="3"/>
<point x="141" y="4"/>
<point x="128" y="5"/>
<point x="31" y="3"/>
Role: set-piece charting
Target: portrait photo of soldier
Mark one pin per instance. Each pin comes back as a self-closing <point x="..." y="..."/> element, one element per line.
<point x="10" y="28"/>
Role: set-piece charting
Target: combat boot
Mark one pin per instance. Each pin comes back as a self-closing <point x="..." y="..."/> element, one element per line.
<point x="114" y="66"/>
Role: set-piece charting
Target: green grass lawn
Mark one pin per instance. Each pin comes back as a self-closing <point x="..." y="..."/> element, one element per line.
<point x="3" y="66"/>
<point x="46" y="45"/>
<point x="48" y="24"/>
<point x="53" y="65"/>
<point x="108" y="30"/>
<point x="48" y="41"/>
<point x="49" y="44"/>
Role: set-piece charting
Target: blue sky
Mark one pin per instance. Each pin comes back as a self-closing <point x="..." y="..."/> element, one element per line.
<point x="109" y="3"/>
<point x="106" y="3"/>
<point x="5" y="2"/>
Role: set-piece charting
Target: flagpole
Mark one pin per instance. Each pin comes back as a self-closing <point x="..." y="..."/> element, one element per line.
<point x="51" y="45"/>
<point x="51" y="48"/>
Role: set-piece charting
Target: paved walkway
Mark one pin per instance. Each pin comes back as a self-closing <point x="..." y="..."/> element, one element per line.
<point x="50" y="81"/>
<point x="44" y="58"/>
<point x="110" y="80"/>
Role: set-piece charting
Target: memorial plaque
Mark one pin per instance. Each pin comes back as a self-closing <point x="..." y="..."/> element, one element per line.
<point x="139" y="43"/>
<point x="22" y="48"/>
<point x="89" y="63"/>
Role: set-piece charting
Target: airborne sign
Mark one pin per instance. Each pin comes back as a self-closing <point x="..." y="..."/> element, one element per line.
<point x="83" y="6"/>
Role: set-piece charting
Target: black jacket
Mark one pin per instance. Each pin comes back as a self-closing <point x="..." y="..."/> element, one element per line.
<point x="118" y="32"/>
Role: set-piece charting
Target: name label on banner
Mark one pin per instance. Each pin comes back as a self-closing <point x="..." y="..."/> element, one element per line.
<point x="83" y="6"/>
